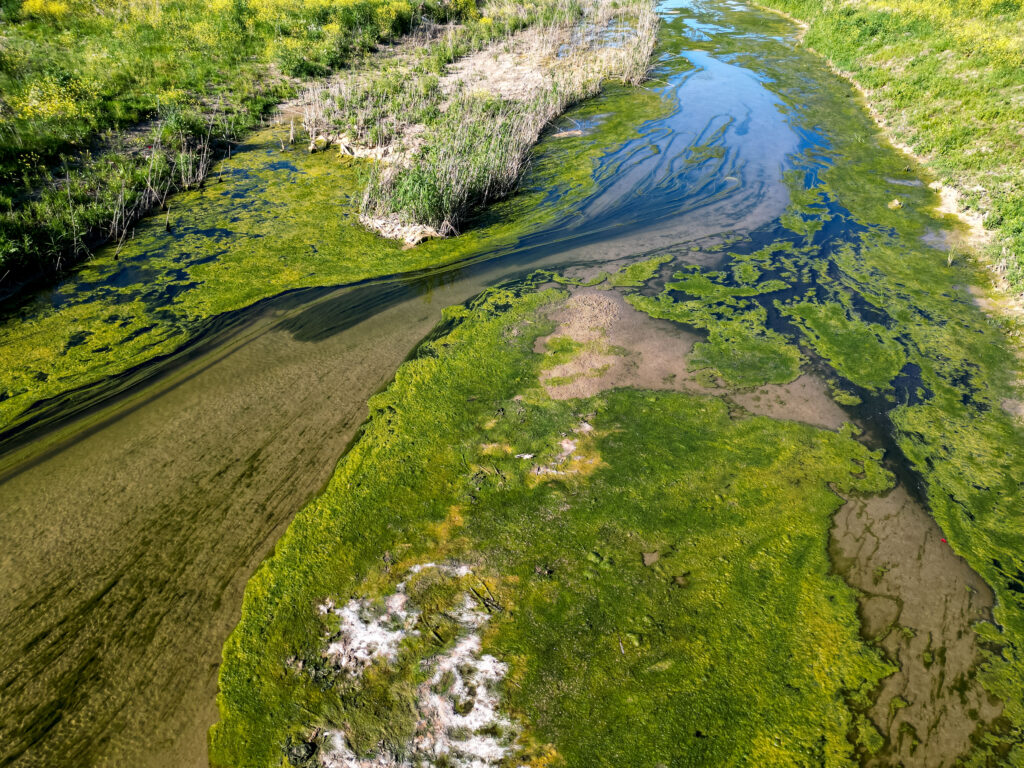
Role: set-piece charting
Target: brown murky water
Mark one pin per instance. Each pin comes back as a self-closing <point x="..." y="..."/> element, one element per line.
<point x="127" y="575"/>
<point x="919" y="602"/>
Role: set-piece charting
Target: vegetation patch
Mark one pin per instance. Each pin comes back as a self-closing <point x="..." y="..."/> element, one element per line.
<point x="920" y="62"/>
<point x="864" y="353"/>
<point x="735" y="644"/>
<point x="107" y="108"/>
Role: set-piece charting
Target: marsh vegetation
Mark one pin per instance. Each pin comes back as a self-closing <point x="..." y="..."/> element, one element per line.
<point x="106" y="109"/>
<point x="449" y="140"/>
<point x="667" y="484"/>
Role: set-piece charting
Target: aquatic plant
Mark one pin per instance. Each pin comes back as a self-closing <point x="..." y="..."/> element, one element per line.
<point x="473" y="148"/>
<point x="700" y="615"/>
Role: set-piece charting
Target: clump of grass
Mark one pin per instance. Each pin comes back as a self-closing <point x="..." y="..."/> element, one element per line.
<point x="475" y="154"/>
<point x="475" y="148"/>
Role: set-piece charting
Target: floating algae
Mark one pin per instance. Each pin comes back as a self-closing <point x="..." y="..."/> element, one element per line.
<point x="736" y="643"/>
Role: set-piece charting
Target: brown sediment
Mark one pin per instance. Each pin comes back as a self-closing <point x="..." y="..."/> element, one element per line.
<point x="621" y="347"/>
<point x="919" y="600"/>
<point x="806" y="400"/>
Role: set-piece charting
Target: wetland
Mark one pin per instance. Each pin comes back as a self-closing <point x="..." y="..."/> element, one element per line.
<point x="694" y="451"/>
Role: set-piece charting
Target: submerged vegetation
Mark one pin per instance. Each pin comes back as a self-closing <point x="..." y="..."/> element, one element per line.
<point x="923" y="61"/>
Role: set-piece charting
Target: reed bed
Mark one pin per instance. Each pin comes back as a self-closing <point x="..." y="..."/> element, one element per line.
<point x="445" y="147"/>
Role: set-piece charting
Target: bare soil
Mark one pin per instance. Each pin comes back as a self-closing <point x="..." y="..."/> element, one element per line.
<point x="626" y="348"/>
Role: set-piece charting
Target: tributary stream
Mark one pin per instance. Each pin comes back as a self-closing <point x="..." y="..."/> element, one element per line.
<point x="144" y="474"/>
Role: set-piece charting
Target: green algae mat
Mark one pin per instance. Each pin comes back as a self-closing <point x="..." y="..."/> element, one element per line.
<point x="648" y="570"/>
<point x="498" y="577"/>
<point x="271" y="219"/>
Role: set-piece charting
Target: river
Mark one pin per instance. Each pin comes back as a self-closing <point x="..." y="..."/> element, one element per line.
<point x="138" y="496"/>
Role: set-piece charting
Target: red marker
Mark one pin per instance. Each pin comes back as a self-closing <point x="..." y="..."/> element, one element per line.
<point x="943" y="541"/>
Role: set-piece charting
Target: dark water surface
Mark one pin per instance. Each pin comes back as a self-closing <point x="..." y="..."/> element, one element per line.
<point x="133" y="509"/>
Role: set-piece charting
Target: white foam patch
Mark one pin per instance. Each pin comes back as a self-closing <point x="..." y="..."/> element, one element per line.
<point x="458" y="705"/>
<point x="568" y="448"/>
<point x="449" y="570"/>
<point x="368" y="633"/>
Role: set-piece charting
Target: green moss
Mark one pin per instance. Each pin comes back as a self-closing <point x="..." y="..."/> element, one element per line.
<point x="746" y="355"/>
<point x="868" y="735"/>
<point x="739" y="348"/>
<point x="740" y="616"/>
<point x="637" y="273"/>
<point x="866" y="354"/>
<point x="843" y="397"/>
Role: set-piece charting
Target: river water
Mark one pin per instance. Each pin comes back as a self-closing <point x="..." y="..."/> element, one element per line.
<point x="136" y="504"/>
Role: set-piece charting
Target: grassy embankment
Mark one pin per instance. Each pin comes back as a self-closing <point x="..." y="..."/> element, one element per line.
<point x="732" y="642"/>
<point x="948" y="79"/>
<point x="450" y="146"/>
<point x="106" y="108"/>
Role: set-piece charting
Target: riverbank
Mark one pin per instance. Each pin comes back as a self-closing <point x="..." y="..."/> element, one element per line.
<point x="107" y="110"/>
<point x="946" y="83"/>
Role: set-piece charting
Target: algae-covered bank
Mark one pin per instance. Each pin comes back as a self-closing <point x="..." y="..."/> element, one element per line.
<point x="750" y="496"/>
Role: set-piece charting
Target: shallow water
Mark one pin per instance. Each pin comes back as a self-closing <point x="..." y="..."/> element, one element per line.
<point x="161" y="462"/>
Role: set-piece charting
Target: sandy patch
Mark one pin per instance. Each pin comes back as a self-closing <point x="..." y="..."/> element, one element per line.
<point x="621" y="348"/>
<point x="919" y="601"/>
<point x="996" y="302"/>
<point x="806" y="400"/>
<point x="1014" y="407"/>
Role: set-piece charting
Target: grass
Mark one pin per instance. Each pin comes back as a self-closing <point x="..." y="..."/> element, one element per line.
<point x="737" y="646"/>
<point x="924" y="60"/>
<point x="474" y="146"/>
<point x="106" y="109"/>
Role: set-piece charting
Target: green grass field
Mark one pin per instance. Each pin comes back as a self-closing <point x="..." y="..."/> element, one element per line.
<point x="948" y="77"/>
